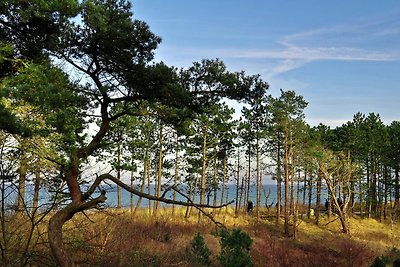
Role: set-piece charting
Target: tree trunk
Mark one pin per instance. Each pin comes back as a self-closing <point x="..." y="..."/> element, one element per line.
<point x="159" y="170"/>
<point x="318" y="203"/>
<point x="36" y="190"/>
<point x="57" y="246"/>
<point x="258" y="184"/>
<point x="176" y="177"/>
<point x="56" y="222"/>
<point x="242" y="192"/>
<point x="396" y="188"/>
<point x="23" y="169"/>
<point x="204" y="167"/>
<point x="237" y="203"/>
<point x="279" y="184"/>
<point x="224" y="176"/>
<point x="131" y="194"/>
<point x="310" y="193"/>
<point x="215" y="183"/>
<point x="286" y="166"/>
<point x="119" y="168"/>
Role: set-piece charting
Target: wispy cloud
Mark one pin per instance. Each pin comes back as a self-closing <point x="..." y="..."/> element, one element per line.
<point x="345" y="42"/>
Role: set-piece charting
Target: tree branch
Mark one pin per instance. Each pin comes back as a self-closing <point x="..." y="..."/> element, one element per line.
<point x="108" y="176"/>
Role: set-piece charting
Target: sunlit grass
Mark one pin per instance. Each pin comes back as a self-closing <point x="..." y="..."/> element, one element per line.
<point x="117" y="237"/>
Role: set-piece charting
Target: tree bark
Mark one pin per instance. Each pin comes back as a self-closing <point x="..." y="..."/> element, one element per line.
<point x="58" y="249"/>
<point x="119" y="168"/>
<point x="237" y="203"/>
<point x="279" y="183"/>
<point x="159" y="170"/>
<point x="23" y="170"/>
<point x="204" y="167"/>
<point x="286" y="165"/>
<point x="318" y="202"/>
<point x="36" y="190"/>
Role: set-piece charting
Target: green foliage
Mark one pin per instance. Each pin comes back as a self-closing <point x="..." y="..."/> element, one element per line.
<point x="235" y="246"/>
<point x="396" y="263"/>
<point x="200" y="250"/>
<point x="379" y="261"/>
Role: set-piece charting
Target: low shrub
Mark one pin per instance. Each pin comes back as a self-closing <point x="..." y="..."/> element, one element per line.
<point x="200" y="250"/>
<point x="235" y="247"/>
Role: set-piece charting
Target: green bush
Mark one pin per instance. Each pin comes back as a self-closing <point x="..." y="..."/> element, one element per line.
<point x="396" y="263"/>
<point x="379" y="262"/>
<point x="200" y="250"/>
<point x="235" y="247"/>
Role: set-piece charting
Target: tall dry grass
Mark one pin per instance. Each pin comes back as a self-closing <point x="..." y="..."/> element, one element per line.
<point x="116" y="238"/>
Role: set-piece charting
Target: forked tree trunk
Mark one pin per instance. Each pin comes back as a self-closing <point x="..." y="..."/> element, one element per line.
<point x="58" y="249"/>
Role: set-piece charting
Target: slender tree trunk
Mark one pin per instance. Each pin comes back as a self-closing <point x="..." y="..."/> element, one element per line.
<point x="237" y="202"/>
<point x="247" y="198"/>
<point x="131" y="195"/>
<point x="204" y="167"/>
<point x="258" y="184"/>
<point x="298" y="187"/>
<point x="22" y="171"/>
<point x="159" y="170"/>
<point x="292" y="178"/>
<point x="396" y="188"/>
<point x="373" y="187"/>
<point x="176" y="177"/>
<point x="360" y="195"/>
<point x="36" y="190"/>
<point x="119" y="168"/>
<point x="149" y="183"/>
<point x="279" y="184"/>
<point x="224" y="178"/>
<point x="215" y="183"/>
<point x="318" y="203"/>
<point x="286" y="148"/>
<point x="368" y="200"/>
<point x="310" y="194"/>
<point x="304" y="187"/>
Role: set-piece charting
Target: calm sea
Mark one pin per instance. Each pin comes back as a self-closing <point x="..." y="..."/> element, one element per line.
<point x="269" y="191"/>
<point x="230" y="194"/>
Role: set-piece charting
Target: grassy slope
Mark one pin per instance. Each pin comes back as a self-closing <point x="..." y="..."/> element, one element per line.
<point x="116" y="239"/>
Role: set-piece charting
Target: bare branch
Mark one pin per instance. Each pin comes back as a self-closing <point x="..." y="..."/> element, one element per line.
<point x="201" y="210"/>
<point x="108" y="176"/>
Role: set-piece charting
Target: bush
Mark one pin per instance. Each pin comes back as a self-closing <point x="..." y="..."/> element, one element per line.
<point x="200" y="250"/>
<point x="379" y="262"/>
<point x="396" y="263"/>
<point x="235" y="247"/>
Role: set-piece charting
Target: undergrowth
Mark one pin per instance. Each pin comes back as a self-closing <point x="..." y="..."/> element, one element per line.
<point x="115" y="238"/>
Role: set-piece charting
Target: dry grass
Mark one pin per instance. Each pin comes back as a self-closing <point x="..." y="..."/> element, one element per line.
<point x="115" y="238"/>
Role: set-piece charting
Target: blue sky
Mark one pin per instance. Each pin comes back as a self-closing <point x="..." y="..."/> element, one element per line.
<point x="343" y="57"/>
